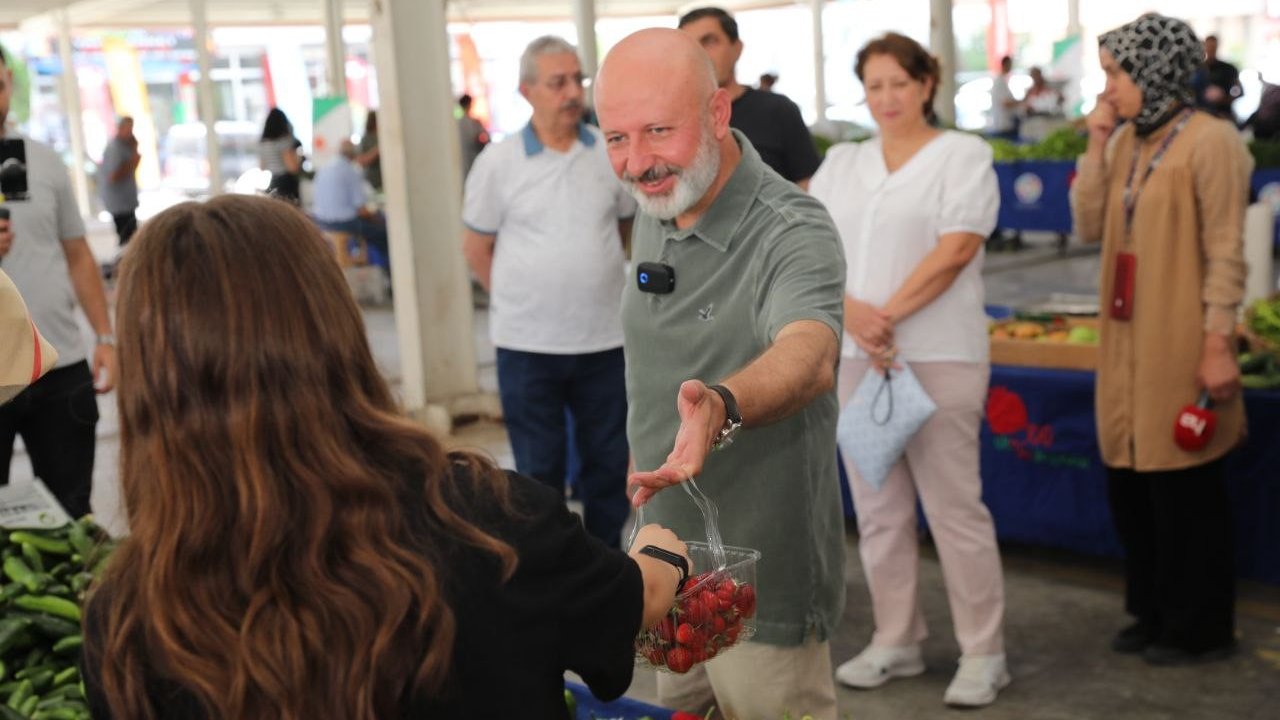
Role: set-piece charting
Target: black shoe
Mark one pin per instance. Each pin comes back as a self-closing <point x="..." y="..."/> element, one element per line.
<point x="1133" y="639"/>
<point x="1169" y="656"/>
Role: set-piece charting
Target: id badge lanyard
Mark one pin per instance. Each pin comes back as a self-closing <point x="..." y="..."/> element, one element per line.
<point x="1126" y="270"/>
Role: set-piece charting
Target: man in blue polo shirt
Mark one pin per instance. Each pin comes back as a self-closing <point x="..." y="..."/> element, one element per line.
<point x="545" y="222"/>
<point x="745" y="342"/>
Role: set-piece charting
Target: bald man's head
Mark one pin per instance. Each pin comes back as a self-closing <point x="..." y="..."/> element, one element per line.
<point x="664" y="119"/>
<point x="660" y="56"/>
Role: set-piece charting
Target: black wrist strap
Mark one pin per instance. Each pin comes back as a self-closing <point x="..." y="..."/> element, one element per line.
<point x="731" y="414"/>
<point x="677" y="561"/>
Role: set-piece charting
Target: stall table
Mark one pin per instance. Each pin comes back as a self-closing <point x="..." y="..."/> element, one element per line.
<point x="1045" y="484"/>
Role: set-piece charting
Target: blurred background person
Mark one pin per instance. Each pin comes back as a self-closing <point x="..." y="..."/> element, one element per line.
<point x="767" y="81"/>
<point x="339" y="201"/>
<point x="471" y="134"/>
<point x="913" y="207"/>
<point x="278" y="154"/>
<point x="118" y="183"/>
<point x="771" y="121"/>
<point x="314" y="553"/>
<point x="1004" y="106"/>
<point x="1216" y="82"/>
<point x="1165" y="192"/>
<point x="370" y="157"/>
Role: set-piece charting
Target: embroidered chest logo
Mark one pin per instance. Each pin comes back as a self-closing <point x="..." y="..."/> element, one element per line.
<point x="706" y="314"/>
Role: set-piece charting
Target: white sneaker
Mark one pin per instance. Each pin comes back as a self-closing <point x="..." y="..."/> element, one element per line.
<point x="875" y="666"/>
<point x="978" y="681"/>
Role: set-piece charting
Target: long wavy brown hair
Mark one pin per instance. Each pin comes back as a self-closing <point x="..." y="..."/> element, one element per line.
<point x="286" y="519"/>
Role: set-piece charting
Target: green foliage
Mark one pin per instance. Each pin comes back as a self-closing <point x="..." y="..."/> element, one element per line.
<point x="1266" y="153"/>
<point x="1062" y="144"/>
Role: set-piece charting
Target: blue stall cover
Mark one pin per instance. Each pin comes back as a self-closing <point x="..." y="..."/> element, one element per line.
<point x="1045" y="484"/>
<point x="589" y="708"/>
<point x="1034" y="195"/>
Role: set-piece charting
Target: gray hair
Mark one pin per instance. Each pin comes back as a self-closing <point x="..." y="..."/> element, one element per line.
<point x="545" y="45"/>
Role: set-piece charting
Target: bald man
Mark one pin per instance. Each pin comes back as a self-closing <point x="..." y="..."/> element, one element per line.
<point x="736" y="318"/>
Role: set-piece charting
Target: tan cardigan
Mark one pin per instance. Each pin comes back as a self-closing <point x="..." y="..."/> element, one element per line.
<point x="1188" y="239"/>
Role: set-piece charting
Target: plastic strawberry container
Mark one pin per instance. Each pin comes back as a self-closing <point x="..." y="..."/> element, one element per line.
<point x="716" y="608"/>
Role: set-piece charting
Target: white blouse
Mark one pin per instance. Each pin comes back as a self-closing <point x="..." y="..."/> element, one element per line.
<point x="889" y="222"/>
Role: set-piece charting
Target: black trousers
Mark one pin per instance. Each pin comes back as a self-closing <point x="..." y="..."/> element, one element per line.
<point x="1179" y="553"/>
<point x="56" y="418"/>
<point x="126" y="226"/>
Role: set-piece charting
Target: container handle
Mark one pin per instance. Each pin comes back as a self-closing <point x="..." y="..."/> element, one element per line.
<point x="710" y="518"/>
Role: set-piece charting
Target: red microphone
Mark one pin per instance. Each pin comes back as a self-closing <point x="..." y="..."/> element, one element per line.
<point x="1194" y="427"/>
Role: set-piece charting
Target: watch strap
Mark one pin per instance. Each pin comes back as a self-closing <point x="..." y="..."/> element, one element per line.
<point x="673" y="559"/>
<point x="731" y="414"/>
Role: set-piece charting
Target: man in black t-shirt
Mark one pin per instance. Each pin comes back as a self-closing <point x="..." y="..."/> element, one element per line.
<point x="1217" y="82"/>
<point x="769" y="120"/>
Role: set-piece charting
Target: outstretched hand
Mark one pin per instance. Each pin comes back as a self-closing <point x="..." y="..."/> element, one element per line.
<point x="701" y="417"/>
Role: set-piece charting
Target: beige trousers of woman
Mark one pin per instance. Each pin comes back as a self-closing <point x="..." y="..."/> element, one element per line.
<point x="940" y="467"/>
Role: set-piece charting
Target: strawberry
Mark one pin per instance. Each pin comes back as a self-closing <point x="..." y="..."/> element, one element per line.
<point x="718" y="624"/>
<point x="697" y="611"/>
<point x="655" y="655"/>
<point x="679" y="660"/>
<point x="686" y="635"/>
<point x="682" y="715"/>
<point x="746" y="600"/>
<point x="666" y="630"/>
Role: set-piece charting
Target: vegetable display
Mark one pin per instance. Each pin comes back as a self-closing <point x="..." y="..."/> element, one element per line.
<point x="46" y="576"/>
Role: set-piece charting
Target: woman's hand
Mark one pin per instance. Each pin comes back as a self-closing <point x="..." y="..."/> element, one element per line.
<point x="660" y="577"/>
<point x="1219" y="372"/>
<point x="871" y="327"/>
<point x="1100" y="123"/>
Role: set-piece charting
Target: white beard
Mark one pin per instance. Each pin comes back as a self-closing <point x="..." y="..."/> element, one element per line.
<point x="691" y="182"/>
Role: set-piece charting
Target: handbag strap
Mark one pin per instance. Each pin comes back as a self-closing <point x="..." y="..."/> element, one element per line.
<point x="886" y="390"/>
<point x="37" y="361"/>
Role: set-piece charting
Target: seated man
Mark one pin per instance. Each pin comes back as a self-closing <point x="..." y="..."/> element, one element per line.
<point x="340" y="201"/>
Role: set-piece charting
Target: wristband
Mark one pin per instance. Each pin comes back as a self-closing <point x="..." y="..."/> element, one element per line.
<point x="676" y="561"/>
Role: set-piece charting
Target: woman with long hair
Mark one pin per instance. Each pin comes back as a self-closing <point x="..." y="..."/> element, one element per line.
<point x="278" y="154"/>
<point x="298" y="549"/>
<point x="913" y="206"/>
<point x="1164" y="187"/>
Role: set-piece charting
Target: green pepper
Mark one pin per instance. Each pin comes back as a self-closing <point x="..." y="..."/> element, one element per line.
<point x="11" y="629"/>
<point x="19" y="696"/>
<point x="29" y="705"/>
<point x="68" y="644"/>
<point x="41" y="542"/>
<point x="78" y="536"/>
<point x="70" y="674"/>
<point x="19" y="571"/>
<point x="56" y="606"/>
<point x="33" y="558"/>
<point x="7" y="713"/>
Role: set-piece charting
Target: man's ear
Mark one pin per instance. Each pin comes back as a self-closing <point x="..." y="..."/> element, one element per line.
<point x="721" y="107"/>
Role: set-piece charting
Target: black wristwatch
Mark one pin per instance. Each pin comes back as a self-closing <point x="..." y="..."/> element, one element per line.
<point x="677" y="561"/>
<point x="732" y="418"/>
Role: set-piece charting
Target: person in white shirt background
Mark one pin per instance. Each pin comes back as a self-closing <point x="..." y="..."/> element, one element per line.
<point x="912" y="206"/>
<point x="1004" y="107"/>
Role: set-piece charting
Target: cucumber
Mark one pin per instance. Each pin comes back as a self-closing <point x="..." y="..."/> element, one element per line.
<point x="40" y="542"/>
<point x="56" y="606"/>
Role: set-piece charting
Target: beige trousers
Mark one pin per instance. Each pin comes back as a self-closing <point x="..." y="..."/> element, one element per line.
<point x="941" y="467"/>
<point x="757" y="682"/>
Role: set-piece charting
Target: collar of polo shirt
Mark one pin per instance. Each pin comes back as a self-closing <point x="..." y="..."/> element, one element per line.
<point x="533" y="146"/>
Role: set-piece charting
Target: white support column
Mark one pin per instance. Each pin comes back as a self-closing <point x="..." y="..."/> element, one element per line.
<point x="417" y="136"/>
<point x="75" y="119"/>
<point x="1073" y="17"/>
<point x="584" y="18"/>
<point x="334" y="48"/>
<point x="819" y="61"/>
<point x="942" y="41"/>
<point x="204" y="92"/>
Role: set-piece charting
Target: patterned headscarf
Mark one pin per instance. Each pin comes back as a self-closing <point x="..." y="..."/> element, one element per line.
<point x="1161" y="54"/>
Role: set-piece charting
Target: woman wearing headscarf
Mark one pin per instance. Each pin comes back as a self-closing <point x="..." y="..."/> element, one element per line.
<point x="1165" y="192"/>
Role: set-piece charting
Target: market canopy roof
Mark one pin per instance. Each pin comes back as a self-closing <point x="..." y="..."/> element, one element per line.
<point x="176" y="13"/>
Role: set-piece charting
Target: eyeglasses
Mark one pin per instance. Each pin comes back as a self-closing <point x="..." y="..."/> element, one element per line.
<point x="558" y="82"/>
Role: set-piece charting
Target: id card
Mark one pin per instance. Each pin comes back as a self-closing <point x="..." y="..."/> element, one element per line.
<point x="1122" y="286"/>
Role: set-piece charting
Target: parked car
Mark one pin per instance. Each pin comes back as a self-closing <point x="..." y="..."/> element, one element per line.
<point x="186" y="165"/>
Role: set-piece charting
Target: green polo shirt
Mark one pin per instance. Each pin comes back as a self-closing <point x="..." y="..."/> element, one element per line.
<point x="765" y="254"/>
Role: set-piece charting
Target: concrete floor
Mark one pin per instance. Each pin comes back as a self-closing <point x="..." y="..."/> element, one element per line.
<point x="1061" y="609"/>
